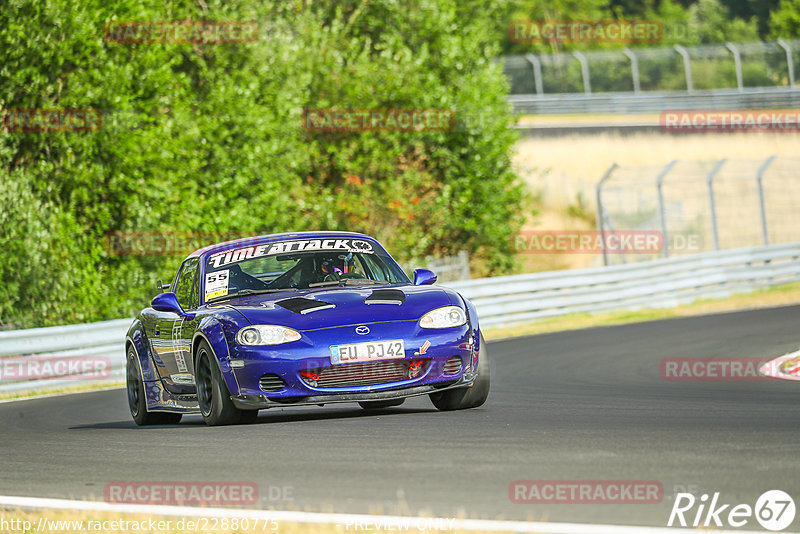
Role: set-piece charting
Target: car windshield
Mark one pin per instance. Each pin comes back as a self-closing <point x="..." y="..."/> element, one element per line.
<point x="300" y="264"/>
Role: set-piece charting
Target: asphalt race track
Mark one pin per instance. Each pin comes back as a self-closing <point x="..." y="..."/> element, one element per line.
<point x="581" y="405"/>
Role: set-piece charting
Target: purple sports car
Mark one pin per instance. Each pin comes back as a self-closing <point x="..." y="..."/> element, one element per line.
<point x="300" y="319"/>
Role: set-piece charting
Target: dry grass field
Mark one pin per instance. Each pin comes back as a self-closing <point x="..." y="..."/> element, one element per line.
<point x="562" y="171"/>
<point x="577" y="162"/>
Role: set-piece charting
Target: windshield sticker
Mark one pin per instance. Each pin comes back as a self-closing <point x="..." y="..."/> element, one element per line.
<point x="217" y="284"/>
<point x="284" y="247"/>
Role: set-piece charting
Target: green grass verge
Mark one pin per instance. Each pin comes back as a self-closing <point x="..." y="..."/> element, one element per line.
<point x="61" y="391"/>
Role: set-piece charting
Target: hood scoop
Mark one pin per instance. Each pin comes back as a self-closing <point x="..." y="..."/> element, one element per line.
<point x="303" y="305"/>
<point x="386" y="296"/>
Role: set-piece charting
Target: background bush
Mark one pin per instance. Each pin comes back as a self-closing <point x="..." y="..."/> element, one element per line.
<point x="202" y="137"/>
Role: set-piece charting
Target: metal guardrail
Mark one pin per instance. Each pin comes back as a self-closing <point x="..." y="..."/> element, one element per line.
<point x="508" y="300"/>
<point x="500" y="301"/>
<point x="46" y="350"/>
<point x="657" y="101"/>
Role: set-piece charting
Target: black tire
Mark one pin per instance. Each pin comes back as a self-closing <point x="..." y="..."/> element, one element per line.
<point x="380" y="405"/>
<point x="471" y="397"/>
<point x="137" y="402"/>
<point x="213" y="396"/>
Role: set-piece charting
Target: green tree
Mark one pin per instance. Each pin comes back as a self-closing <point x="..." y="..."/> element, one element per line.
<point x="559" y="10"/>
<point x="784" y="23"/>
<point x="711" y="22"/>
<point x="210" y="138"/>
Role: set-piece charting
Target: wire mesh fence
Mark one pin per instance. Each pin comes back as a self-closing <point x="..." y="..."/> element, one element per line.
<point x="702" y="206"/>
<point x="723" y="66"/>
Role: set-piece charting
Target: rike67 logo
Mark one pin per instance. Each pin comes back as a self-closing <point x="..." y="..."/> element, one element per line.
<point x="774" y="510"/>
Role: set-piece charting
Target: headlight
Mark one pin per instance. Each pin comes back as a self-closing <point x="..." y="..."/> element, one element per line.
<point x="444" y="317"/>
<point x="266" y="334"/>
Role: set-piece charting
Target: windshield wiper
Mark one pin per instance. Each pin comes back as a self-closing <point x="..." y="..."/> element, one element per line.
<point x="245" y="292"/>
<point x="356" y="281"/>
<point x="347" y="282"/>
<point x="323" y="284"/>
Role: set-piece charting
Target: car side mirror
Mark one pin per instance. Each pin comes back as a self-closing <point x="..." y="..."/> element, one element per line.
<point x="162" y="287"/>
<point x="424" y="277"/>
<point x="168" y="302"/>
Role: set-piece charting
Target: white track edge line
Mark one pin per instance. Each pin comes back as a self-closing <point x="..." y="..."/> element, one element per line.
<point x="486" y="525"/>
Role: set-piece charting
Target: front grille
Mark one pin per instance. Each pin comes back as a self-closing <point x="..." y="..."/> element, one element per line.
<point x="271" y="383"/>
<point x="452" y="366"/>
<point x="365" y="374"/>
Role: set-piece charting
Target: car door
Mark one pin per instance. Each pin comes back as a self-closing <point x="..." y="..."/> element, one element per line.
<point x="173" y="334"/>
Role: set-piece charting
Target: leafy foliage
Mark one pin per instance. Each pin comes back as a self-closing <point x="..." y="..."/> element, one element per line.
<point x="685" y="22"/>
<point x="785" y="21"/>
<point x="210" y="138"/>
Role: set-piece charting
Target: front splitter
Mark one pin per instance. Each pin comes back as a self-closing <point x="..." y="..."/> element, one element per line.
<point x="261" y="402"/>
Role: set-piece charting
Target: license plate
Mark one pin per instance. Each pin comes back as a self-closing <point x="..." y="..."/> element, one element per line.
<point x="368" y="351"/>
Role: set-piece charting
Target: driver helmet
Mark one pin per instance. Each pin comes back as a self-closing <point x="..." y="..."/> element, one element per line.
<point x="338" y="264"/>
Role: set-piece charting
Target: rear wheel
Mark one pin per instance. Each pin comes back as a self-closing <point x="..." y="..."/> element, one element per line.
<point x="213" y="396"/>
<point x="380" y="405"/>
<point x="137" y="401"/>
<point x="471" y="397"/>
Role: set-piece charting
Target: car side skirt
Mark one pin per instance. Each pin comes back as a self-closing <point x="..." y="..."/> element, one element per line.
<point x="161" y="400"/>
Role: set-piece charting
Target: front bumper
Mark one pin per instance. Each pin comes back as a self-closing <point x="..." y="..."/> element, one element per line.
<point x="432" y="348"/>
<point x="261" y="402"/>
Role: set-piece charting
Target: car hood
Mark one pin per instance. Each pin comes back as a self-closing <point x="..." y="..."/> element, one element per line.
<point x="342" y="306"/>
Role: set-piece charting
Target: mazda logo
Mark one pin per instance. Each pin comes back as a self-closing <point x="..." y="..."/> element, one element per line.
<point x="362" y="330"/>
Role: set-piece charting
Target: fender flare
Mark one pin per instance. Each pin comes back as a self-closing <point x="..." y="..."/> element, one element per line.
<point x="472" y="319"/>
<point x="137" y="338"/>
<point x="210" y="331"/>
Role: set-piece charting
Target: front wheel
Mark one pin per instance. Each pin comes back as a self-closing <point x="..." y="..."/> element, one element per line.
<point x="137" y="402"/>
<point x="213" y="396"/>
<point x="471" y="397"/>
